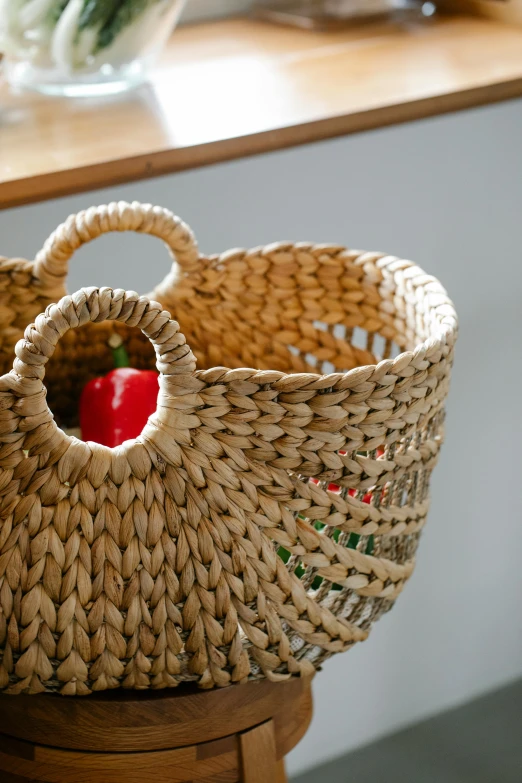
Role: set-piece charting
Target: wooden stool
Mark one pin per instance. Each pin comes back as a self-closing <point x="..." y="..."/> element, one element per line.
<point x="241" y="733"/>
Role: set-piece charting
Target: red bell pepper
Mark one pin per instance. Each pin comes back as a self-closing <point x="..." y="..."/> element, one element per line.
<point x="115" y="408"/>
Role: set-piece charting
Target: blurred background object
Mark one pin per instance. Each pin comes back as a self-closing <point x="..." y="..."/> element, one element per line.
<point x="83" y="47"/>
<point x="327" y="14"/>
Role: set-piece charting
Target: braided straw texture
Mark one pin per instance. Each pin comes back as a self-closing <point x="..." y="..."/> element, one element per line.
<point x="265" y="518"/>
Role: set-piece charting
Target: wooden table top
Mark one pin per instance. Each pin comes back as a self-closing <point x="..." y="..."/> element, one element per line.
<point x="238" y="87"/>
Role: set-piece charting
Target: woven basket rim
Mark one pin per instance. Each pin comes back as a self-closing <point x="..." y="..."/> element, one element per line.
<point x="443" y="331"/>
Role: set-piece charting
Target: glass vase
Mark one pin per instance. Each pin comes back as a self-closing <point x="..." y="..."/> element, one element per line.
<point x="83" y="47"/>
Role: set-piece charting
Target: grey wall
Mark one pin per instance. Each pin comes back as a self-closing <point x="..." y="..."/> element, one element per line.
<point x="448" y="193"/>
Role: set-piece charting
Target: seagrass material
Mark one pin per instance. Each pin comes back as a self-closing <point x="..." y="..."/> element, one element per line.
<point x="265" y="517"/>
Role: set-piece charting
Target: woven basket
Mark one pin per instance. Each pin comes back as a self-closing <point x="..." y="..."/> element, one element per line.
<point x="265" y="518"/>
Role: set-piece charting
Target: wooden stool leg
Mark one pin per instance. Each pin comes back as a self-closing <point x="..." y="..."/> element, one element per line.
<point x="281" y="772"/>
<point x="258" y="754"/>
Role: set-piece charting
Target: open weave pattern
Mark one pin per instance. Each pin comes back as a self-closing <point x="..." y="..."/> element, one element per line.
<point x="161" y="561"/>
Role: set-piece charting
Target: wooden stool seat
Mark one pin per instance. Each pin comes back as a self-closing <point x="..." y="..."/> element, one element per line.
<point x="240" y="733"/>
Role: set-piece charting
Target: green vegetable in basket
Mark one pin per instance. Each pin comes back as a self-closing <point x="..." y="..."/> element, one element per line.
<point x="353" y="540"/>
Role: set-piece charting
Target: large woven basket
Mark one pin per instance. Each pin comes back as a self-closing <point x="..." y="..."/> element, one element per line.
<point x="266" y="517"/>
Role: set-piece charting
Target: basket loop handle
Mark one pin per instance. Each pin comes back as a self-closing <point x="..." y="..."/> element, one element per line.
<point x="175" y="361"/>
<point x="51" y="263"/>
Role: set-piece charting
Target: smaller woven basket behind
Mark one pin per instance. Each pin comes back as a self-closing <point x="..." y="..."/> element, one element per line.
<point x="265" y="517"/>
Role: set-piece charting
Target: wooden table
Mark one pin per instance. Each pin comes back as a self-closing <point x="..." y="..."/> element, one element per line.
<point x="240" y="733"/>
<point x="240" y="87"/>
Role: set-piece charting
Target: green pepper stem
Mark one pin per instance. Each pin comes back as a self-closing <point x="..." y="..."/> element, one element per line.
<point x="119" y="354"/>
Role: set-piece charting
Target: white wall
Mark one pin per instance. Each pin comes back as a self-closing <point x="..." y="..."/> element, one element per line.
<point x="448" y="193"/>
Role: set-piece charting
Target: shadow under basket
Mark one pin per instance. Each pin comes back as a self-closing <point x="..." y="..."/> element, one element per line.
<point x="265" y="517"/>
